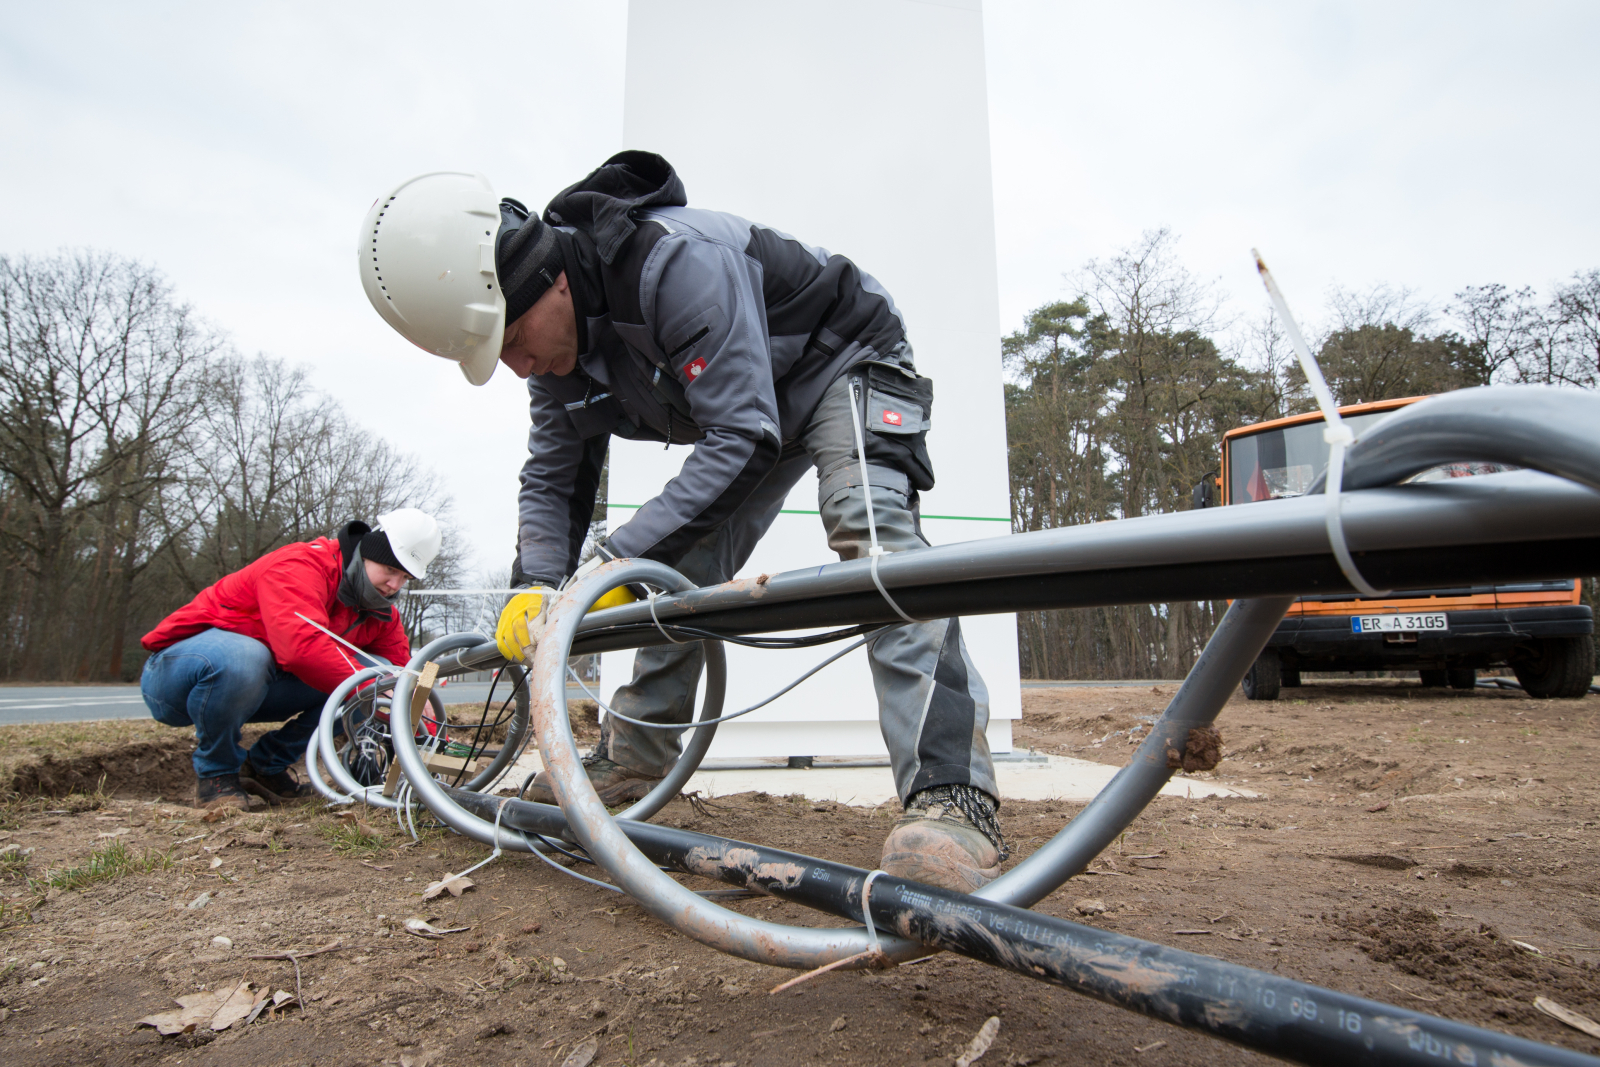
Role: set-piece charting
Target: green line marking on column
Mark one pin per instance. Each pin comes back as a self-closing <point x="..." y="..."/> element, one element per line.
<point x="798" y="511"/>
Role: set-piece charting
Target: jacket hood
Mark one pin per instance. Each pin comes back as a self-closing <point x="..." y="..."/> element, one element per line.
<point x="603" y="203"/>
<point x="349" y="537"/>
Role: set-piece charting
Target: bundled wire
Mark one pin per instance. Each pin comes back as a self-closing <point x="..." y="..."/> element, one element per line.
<point x="609" y="710"/>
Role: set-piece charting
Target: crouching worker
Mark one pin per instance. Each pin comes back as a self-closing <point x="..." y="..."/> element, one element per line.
<point x="241" y="652"/>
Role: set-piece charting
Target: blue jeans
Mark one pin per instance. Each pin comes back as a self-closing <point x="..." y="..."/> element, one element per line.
<point x="217" y="681"/>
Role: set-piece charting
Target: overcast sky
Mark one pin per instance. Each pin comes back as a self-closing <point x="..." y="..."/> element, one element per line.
<point x="236" y="147"/>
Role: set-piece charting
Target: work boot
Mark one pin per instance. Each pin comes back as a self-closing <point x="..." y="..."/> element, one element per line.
<point x="615" y="783"/>
<point x="280" y="788"/>
<point x="223" y="791"/>
<point x="948" y="837"/>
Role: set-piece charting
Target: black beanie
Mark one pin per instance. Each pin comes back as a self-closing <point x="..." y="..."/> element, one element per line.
<point x="375" y="546"/>
<point x="527" y="258"/>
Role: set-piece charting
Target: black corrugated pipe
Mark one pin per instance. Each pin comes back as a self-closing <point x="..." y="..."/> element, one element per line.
<point x="1261" y="1011"/>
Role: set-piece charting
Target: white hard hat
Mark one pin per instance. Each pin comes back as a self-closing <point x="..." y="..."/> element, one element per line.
<point x="414" y="538"/>
<point x="427" y="262"/>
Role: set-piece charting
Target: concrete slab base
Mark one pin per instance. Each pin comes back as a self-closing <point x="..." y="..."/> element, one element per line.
<point x="1047" y="778"/>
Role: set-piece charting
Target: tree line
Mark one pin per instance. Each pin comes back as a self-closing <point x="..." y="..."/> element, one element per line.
<point x="1117" y="400"/>
<point x="142" y="458"/>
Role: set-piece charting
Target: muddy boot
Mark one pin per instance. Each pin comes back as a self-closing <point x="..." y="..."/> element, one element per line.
<point x="280" y="788"/>
<point x="948" y="837"/>
<point x="223" y="791"/>
<point x="615" y="783"/>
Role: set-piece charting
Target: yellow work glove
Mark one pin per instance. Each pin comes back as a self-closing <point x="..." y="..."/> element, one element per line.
<point x="524" y="619"/>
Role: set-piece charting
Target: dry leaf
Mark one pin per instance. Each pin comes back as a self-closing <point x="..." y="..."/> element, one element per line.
<point x="213" y="1009"/>
<point x="350" y="818"/>
<point x="980" y="1044"/>
<point x="455" y="883"/>
<point x="423" y="928"/>
<point x="235" y="1008"/>
<point x="1568" y="1016"/>
<point x="580" y="1056"/>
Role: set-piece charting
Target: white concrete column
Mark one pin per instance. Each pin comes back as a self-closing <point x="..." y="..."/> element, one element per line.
<point x="861" y="126"/>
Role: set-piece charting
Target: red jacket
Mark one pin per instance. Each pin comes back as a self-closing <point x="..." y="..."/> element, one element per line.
<point x="261" y="601"/>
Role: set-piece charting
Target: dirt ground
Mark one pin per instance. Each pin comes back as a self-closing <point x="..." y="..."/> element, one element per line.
<point x="1402" y="843"/>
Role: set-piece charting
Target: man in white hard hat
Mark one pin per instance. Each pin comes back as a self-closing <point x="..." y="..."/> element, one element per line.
<point x="243" y="651"/>
<point x="633" y="315"/>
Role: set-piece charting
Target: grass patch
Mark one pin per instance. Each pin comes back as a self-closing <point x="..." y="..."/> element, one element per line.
<point x="13" y="864"/>
<point x="354" y="838"/>
<point x="105" y="864"/>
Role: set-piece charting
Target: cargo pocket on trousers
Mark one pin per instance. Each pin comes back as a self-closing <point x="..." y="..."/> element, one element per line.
<point x="897" y="415"/>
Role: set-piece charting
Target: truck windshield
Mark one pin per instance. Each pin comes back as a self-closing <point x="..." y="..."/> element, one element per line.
<point x="1280" y="463"/>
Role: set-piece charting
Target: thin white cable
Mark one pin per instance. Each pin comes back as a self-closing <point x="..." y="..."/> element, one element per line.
<point x="1336" y="433"/>
<point x="461" y="592"/>
<point x="376" y="662"/>
<point x="876" y="549"/>
<point x="609" y="710"/>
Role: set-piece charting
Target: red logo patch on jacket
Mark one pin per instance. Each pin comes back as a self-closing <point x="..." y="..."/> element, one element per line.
<point x="695" y="369"/>
<point x="892" y="418"/>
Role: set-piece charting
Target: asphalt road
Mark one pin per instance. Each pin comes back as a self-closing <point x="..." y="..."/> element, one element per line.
<point x="70" y="703"/>
<point x="83" y="703"/>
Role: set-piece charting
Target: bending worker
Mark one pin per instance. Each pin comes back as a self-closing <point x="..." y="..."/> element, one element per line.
<point x="633" y="315"/>
<point x="241" y="652"/>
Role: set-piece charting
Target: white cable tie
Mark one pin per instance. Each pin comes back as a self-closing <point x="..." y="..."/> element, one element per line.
<point x="496" y="854"/>
<point x="866" y="914"/>
<point x="876" y="552"/>
<point x="1336" y="433"/>
<point x="653" y="594"/>
<point x="1334" y="520"/>
<point x="876" y="549"/>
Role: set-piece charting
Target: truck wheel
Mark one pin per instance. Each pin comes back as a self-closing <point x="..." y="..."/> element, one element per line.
<point x="1462" y="678"/>
<point x="1289" y="679"/>
<point x="1561" y="667"/>
<point x="1434" y="679"/>
<point x="1264" y="677"/>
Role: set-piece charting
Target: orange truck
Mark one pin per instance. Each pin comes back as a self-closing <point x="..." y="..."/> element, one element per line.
<point x="1541" y="630"/>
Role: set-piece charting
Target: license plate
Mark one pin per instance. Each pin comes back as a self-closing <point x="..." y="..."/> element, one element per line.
<point x="1391" y="624"/>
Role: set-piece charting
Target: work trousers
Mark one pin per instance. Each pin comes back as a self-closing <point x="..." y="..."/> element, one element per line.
<point x="933" y="708"/>
<point x="217" y="681"/>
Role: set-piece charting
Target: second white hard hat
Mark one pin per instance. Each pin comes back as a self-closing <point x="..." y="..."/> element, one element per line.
<point x="414" y="538"/>
<point x="427" y="259"/>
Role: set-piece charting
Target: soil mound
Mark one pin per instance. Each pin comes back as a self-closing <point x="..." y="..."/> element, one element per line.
<point x="144" y="770"/>
<point x="1474" y="960"/>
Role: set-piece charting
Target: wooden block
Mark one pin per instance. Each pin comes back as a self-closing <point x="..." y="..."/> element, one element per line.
<point x="437" y="763"/>
<point x="419" y="695"/>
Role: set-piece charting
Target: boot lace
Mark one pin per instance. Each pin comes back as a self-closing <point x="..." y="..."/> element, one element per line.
<point x="972" y="802"/>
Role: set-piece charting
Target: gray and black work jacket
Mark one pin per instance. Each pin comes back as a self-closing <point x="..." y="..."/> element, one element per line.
<point x="701" y="327"/>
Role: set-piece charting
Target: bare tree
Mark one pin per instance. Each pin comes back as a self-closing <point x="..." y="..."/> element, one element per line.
<point x="96" y="380"/>
<point x="140" y="461"/>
